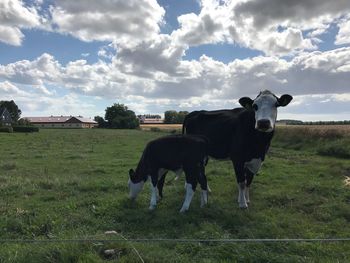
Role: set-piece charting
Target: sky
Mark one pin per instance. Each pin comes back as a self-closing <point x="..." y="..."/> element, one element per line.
<point x="63" y="57"/>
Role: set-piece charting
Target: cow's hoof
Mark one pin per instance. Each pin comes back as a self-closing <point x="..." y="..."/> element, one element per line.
<point x="183" y="210"/>
<point x="243" y="206"/>
<point x="151" y="207"/>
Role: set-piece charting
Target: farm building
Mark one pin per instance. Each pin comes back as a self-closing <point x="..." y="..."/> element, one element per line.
<point x="5" y="117"/>
<point x="150" y="119"/>
<point x="62" y="122"/>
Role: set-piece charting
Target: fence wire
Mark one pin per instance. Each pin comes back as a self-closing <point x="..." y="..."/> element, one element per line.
<point x="169" y="240"/>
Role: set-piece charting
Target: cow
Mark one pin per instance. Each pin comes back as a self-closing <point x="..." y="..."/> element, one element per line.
<point x="242" y="135"/>
<point x="187" y="153"/>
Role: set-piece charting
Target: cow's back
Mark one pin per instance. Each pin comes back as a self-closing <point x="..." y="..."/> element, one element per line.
<point x="218" y="126"/>
<point x="231" y="133"/>
<point x="173" y="151"/>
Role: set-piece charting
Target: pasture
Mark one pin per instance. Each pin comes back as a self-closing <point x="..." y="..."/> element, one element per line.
<point x="68" y="184"/>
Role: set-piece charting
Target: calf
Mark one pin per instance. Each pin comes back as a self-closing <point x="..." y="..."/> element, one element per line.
<point x="241" y="134"/>
<point x="174" y="153"/>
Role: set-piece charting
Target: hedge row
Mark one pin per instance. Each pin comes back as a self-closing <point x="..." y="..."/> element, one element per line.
<point x="6" y="129"/>
<point x="25" y="129"/>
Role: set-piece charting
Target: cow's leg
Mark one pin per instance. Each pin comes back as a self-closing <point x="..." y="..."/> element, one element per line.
<point x="240" y="176"/>
<point x="249" y="179"/>
<point x="178" y="174"/>
<point x="154" y="190"/>
<point x="161" y="175"/>
<point x="251" y="169"/>
<point x="204" y="185"/>
<point x="191" y="184"/>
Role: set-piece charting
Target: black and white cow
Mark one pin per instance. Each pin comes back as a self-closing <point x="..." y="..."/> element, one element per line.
<point x="241" y="134"/>
<point x="176" y="153"/>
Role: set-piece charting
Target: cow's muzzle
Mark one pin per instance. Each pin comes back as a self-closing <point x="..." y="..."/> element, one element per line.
<point x="264" y="125"/>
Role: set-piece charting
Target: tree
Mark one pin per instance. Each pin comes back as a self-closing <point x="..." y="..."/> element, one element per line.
<point x="12" y="108"/>
<point x="170" y="116"/>
<point x="120" y="117"/>
<point x="101" y="122"/>
<point x="173" y="117"/>
<point x="181" y="116"/>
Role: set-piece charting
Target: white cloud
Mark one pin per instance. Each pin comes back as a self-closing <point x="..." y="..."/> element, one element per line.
<point x="161" y="73"/>
<point x="14" y="16"/>
<point x="341" y="97"/>
<point x="343" y="36"/>
<point x="11" y="35"/>
<point x="118" y="20"/>
<point x="271" y="26"/>
<point x="7" y="88"/>
<point x="304" y="14"/>
<point x="207" y="27"/>
<point x="35" y="72"/>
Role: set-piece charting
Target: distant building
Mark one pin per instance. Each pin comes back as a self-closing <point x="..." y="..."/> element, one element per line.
<point x="150" y="119"/>
<point x="62" y="122"/>
<point x="5" y="117"/>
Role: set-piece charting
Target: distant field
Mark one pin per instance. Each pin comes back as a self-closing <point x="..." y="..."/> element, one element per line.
<point x="345" y="129"/>
<point x="66" y="184"/>
<point x="161" y="126"/>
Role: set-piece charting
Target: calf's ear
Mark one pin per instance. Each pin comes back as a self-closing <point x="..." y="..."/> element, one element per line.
<point x="284" y="100"/>
<point x="246" y="103"/>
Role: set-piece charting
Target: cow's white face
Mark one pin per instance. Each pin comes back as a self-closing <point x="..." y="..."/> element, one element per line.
<point x="265" y="108"/>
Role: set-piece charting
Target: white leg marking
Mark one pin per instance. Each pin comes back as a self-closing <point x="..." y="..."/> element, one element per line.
<point x="178" y="173"/>
<point x="154" y="192"/>
<point x="204" y="198"/>
<point x="188" y="198"/>
<point x="247" y="194"/>
<point x="209" y="190"/>
<point x="253" y="165"/>
<point x="241" y="195"/>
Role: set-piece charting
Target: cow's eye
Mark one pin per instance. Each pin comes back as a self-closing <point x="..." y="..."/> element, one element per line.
<point x="255" y="107"/>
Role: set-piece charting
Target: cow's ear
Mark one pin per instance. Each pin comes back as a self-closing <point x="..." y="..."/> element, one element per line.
<point x="246" y="103"/>
<point x="284" y="100"/>
<point x="131" y="173"/>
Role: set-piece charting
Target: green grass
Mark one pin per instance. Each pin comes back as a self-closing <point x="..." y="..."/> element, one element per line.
<point x="65" y="184"/>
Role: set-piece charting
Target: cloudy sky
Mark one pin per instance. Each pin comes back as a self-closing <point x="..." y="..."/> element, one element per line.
<point x="78" y="57"/>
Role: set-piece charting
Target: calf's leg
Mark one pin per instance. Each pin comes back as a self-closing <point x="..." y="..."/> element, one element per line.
<point x="154" y="190"/>
<point x="204" y="186"/>
<point x="191" y="183"/>
<point x="161" y="173"/>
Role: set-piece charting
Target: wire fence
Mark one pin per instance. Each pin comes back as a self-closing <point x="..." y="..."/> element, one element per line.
<point x="169" y="240"/>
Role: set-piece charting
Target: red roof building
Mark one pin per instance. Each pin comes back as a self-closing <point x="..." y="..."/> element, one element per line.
<point x="62" y="122"/>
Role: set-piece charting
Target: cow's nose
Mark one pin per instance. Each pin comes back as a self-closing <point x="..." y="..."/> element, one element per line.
<point x="264" y="124"/>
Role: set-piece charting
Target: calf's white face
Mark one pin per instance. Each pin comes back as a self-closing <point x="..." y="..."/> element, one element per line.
<point x="265" y="108"/>
<point x="134" y="188"/>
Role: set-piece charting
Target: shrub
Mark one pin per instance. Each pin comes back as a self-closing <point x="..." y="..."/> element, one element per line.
<point x="337" y="148"/>
<point x="25" y="129"/>
<point x="174" y="131"/>
<point x="6" y="129"/>
<point x="155" y="129"/>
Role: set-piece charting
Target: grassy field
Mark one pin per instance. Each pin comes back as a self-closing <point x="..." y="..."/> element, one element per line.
<point x="62" y="184"/>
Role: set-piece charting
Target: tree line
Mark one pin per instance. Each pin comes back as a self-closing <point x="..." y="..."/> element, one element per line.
<point x="174" y="117"/>
<point x="118" y="116"/>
